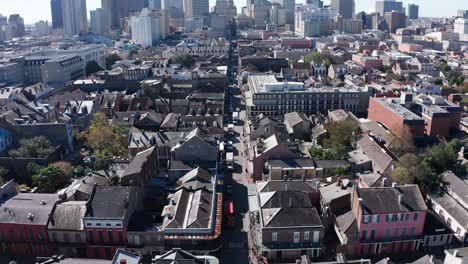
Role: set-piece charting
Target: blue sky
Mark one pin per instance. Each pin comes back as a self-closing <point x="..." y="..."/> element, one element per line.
<point x="35" y="10"/>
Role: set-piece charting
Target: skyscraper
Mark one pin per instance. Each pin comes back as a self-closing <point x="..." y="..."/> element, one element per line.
<point x="226" y="8"/>
<point x="149" y="26"/>
<point x="154" y="4"/>
<point x="100" y="21"/>
<point x="16" y="26"/>
<point x="75" y="18"/>
<point x="395" y="20"/>
<point x="289" y="6"/>
<point x="56" y="11"/>
<point x="120" y="9"/>
<point x="344" y="8"/>
<point x="413" y="11"/>
<point x="196" y="8"/>
<point x="462" y="13"/>
<point x="384" y="6"/>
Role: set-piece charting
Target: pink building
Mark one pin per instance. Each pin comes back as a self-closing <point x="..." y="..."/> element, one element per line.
<point x="387" y="221"/>
<point x="410" y="47"/>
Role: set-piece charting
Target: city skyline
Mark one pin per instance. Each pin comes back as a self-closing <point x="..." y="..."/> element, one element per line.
<point x="40" y="9"/>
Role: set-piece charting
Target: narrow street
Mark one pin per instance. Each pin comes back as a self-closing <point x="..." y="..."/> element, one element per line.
<point x="235" y="245"/>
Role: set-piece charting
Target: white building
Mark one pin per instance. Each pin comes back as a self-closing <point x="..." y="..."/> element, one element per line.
<point x="452" y="206"/>
<point x="146" y="27"/>
<point x="42" y="28"/>
<point x="461" y="26"/>
<point x="75" y="18"/>
<point x="100" y="21"/>
<point x="203" y="48"/>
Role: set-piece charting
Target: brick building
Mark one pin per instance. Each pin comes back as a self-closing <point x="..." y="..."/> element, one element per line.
<point x="107" y="219"/>
<point x="23" y="224"/>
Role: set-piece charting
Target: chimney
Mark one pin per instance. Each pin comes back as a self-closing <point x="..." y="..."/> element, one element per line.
<point x="383" y="181"/>
<point x="399" y="198"/>
<point x="338" y="181"/>
<point x="394" y="184"/>
<point x="455" y="252"/>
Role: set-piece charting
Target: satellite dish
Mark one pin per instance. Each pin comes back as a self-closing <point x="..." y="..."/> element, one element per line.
<point x="238" y="109"/>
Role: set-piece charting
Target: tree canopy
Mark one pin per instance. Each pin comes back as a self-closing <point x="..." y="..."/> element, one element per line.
<point x="111" y="59"/>
<point x="317" y="57"/>
<point x="104" y="140"/>
<point x="340" y="141"/>
<point x="48" y="179"/>
<point x="185" y="59"/>
<point x="92" y="67"/>
<point x="150" y="91"/>
<point x="36" y="147"/>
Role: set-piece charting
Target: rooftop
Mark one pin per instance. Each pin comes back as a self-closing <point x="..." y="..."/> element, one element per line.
<point x="28" y="208"/>
<point x="381" y="200"/>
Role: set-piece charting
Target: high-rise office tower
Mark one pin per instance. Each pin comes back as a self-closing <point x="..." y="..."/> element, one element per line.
<point x="344" y="8"/>
<point x="154" y="4"/>
<point x="120" y="9"/>
<point x="167" y="4"/>
<point x="75" y="18"/>
<point x="16" y="26"/>
<point x="461" y="26"/>
<point x="3" y="20"/>
<point x="315" y="3"/>
<point x="149" y="26"/>
<point x="42" y="28"/>
<point x="289" y="6"/>
<point x="225" y="8"/>
<point x="413" y="11"/>
<point x="462" y="13"/>
<point x="100" y="21"/>
<point x="385" y="6"/>
<point x="196" y="8"/>
<point x="395" y="20"/>
<point x="56" y="11"/>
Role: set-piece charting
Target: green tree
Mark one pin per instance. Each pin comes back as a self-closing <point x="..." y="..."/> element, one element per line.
<point x="442" y="157"/>
<point x="402" y="176"/>
<point x="48" y="179"/>
<point x="92" y="67"/>
<point x="4" y="174"/>
<point x="185" y="59"/>
<point x="36" y="147"/>
<point x="445" y="68"/>
<point x="111" y="59"/>
<point x="342" y="134"/>
<point x="104" y="140"/>
<point x="147" y="90"/>
<point x="431" y="182"/>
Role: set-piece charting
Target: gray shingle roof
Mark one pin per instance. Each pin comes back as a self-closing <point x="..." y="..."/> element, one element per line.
<point x="386" y="200"/>
<point x="68" y="216"/>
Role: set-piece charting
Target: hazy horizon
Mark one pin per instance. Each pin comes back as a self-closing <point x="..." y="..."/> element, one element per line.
<point x="35" y="10"/>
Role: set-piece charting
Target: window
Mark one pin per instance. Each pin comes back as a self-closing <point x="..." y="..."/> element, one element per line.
<point x="375" y="219"/>
<point x="396" y="232"/>
<point x="91" y="236"/>
<point x="111" y="236"/>
<point x="389" y="218"/>
<point x="372" y="235"/>
<point x="403" y="232"/>
<point x="100" y="236"/>
<point x="274" y="236"/>
<point x="296" y="237"/>
<point x="399" y="217"/>
<point x="120" y="236"/>
<point x="407" y="217"/>
<point x="306" y="235"/>
<point x="415" y="216"/>
<point x="364" y="235"/>
<point x="387" y="232"/>
<point x="31" y="235"/>
<point x="316" y="236"/>
<point x="366" y="219"/>
<point x="412" y="231"/>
